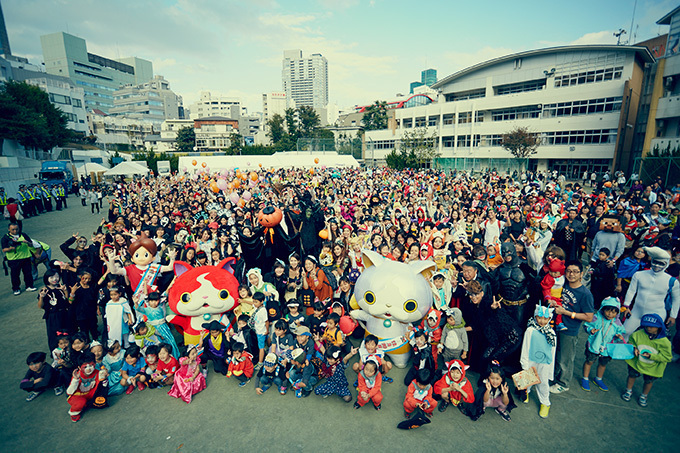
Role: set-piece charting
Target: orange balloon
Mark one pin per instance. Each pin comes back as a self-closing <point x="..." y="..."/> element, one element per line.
<point x="316" y="161"/>
<point x="213" y="187"/>
<point x="260" y="165"/>
<point x="237" y="183"/>
<point x="311" y="171"/>
<point x="241" y="202"/>
<point x="204" y="165"/>
<point x="323" y="234"/>
<point x="238" y="173"/>
<point x="244" y="176"/>
<point x="193" y="162"/>
<point x="253" y="176"/>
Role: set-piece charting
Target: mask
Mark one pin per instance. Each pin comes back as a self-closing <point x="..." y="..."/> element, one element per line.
<point x="658" y="266"/>
<point x="88" y="369"/>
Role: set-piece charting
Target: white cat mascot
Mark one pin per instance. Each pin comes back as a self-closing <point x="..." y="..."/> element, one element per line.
<point x="390" y="295"/>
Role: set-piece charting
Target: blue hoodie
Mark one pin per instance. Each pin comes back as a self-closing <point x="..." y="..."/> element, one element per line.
<point x="607" y="329"/>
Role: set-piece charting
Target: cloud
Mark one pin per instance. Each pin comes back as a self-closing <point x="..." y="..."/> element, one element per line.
<point x="598" y="37"/>
<point x="456" y="61"/>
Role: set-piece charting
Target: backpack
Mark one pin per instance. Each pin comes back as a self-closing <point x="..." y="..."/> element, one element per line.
<point x="668" y="301"/>
<point x="330" y="276"/>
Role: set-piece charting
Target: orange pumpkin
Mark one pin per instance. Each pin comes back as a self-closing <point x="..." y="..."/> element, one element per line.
<point x="269" y="216"/>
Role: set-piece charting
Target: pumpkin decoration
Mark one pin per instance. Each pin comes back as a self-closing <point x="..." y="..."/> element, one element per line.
<point x="269" y="216"/>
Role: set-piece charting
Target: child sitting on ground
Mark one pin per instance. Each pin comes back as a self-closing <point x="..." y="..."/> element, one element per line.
<point x="370" y="383"/>
<point x="241" y="364"/>
<point x="167" y="366"/>
<point x="454" y="340"/>
<point x="454" y="388"/>
<point x="302" y="374"/>
<point x="552" y="285"/>
<point x="39" y="377"/>
<point x="652" y="353"/>
<point x="151" y="368"/>
<point x="132" y="371"/>
<point x="538" y="351"/>
<point x="113" y="362"/>
<point x="61" y="362"/>
<point x="272" y="373"/>
<point x="602" y="330"/>
<point x="419" y="394"/>
<point x="422" y="357"/>
<point x="495" y="394"/>
<point x="334" y="371"/>
<point x="369" y="349"/>
<point x="188" y="380"/>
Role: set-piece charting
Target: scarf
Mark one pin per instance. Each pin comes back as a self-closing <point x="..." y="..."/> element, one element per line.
<point x="419" y="393"/>
<point x="456" y="326"/>
<point x="216" y="342"/>
<point x="545" y="330"/>
<point x="146" y="339"/>
<point x="370" y="382"/>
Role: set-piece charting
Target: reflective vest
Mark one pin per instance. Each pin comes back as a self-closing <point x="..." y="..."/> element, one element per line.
<point x="45" y="191"/>
<point x="22" y="196"/>
<point x="30" y="194"/>
<point x="3" y="199"/>
<point x="60" y="191"/>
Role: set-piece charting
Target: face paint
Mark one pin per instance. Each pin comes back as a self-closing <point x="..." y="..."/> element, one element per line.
<point x="658" y="266"/>
<point x="88" y="369"/>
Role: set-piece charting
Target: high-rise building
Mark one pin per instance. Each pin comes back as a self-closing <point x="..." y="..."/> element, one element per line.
<point x="66" y="55"/>
<point x="305" y="80"/>
<point x="152" y="100"/>
<point x="428" y="77"/>
<point x="275" y="103"/>
<point x="215" y="105"/>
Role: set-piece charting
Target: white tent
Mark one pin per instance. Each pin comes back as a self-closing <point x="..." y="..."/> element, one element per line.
<point x="90" y="167"/>
<point x="127" y="169"/>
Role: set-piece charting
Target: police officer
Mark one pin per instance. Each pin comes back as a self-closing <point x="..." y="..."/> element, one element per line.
<point x="46" y="197"/>
<point x="37" y="198"/>
<point x="3" y="199"/>
<point x="57" y="198"/>
<point x="23" y="199"/>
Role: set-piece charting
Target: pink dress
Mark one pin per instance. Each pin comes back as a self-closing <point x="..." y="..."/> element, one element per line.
<point x="186" y="390"/>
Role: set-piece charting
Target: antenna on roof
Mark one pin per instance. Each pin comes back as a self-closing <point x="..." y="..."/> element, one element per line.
<point x="631" y="41"/>
<point x="618" y="35"/>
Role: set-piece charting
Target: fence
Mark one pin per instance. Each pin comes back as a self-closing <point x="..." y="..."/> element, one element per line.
<point x="650" y="168"/>
<point x="344" y="147"/>
<point x="473" y="164"/>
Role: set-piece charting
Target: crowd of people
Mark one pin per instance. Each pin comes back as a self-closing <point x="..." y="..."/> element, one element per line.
<point x="523" y="264"/>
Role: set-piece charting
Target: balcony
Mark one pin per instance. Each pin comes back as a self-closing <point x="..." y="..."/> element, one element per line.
<point x="669" y="107"/>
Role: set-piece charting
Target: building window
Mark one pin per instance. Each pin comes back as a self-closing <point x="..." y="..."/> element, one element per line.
<point x="420" y="121"/>
<point x="598" y="75"/>
<point x="448" y="141"/>
<point x="463" y="141"/>
<point x="463" y="95"/>
<point x="583" y="107"/>
<point x="448" y="119"/>
<point x="516" y="113"/>
<point x="587" y="137"/>
<point x="479" y="117"/>
<point x="464" y="117"/>
<point x="408" y="123"/>
<point x="522" y="87"/>
<point x="77" y="103"/>
<point x="432" y="120"/>
<point x="491" y="140"/>
<point x="59" y="99"/>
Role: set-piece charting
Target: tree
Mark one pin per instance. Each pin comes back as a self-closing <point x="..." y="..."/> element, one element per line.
<point x="186" y="140"/>
<point x="309" y="121"/>
<point x="276" y="128"/>
<point x="416" y="150"/>
<point x="236" y="144"/>
<point x="291" y="125"/>
<point x="521" y="143"/>
<point x="375" y="116"/>
<point x="27" y="116"/>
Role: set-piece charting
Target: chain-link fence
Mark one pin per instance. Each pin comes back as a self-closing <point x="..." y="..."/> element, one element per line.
<point x="473" y="164"/>
<point x="341" y="146"/>
<point x="650" y="169"/>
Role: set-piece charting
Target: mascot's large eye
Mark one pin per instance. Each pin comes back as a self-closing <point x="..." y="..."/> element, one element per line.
<point x="410" y="306"/>
<point x="186" y="297"/>
<point x="369" y="297"/>
<point x="224" y="294"/>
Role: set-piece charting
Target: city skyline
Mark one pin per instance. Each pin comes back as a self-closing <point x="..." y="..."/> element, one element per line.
<point x="374" y="48"/>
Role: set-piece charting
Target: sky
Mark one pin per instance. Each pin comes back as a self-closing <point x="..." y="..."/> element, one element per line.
<point x="375" y="48"/>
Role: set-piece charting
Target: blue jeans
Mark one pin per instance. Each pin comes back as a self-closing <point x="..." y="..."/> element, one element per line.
<point x="266" y="382"/>
<point x="296" y="375"/>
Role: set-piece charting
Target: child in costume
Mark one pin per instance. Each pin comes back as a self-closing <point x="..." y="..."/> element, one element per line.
<point x="422" y="357"/>
<point x="113" y="362"/>
<point x="369" y="349"/>
<point x="454" y="388"/>
<point x="167" y="366"/>
<point x="151" y="368"/>
<point x="370" y="383"/>
<point x="302" y="374"/>
<point x="260" y="324"/>
<point x="271" y="373"/>
<point x="61" y="362"/>
<point x="604" y="327"/>
<point x="39" y="377"/>
<point x="216" y="348"/>
<point x="132" y="372"/>
<point x="294" y="317"/>
<point x="495" y="394"/>
<point x="317" y="321"/>
<point x="83" y="387"/>
<point x="538" y="350"/>
<point x="419" y="394"/>
<point x="652" y="353"/>
<point x="244" y="334"/>
<point x="155" y="317"/>
<point x="332" y="335"/>
<point x="552" y="285"/>
<point x="282" y="342"/>
<point x="188" y="380"/>
<point x="603" y="277"/>
<point x="430" y="325"/>
<point x="241" y="364"/>
<point x="453" y="343"/>
<point x="441" y="291"/>
<point x="334" y="371"/>
<point x="118" y="317"/>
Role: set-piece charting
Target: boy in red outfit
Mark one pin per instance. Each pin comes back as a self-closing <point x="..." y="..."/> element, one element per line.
<point x="83" y="386"/>
<point x="430" y="325"/>
<point x="419" y="394"/>
<point x="241" y="364"/>
<point x="370" y="382"/>
<point x="454" y="388"/>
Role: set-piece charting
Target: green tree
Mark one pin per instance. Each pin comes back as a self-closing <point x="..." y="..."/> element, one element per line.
<point x="375" y="116"/>
<point x="259" y="150"/>
<point x="236" y="144"/>
<point x="417" y="148"/>
<point x="148" y="156"/>
<point x="111" y="157"/>
<point x="276" y="127"/>
<point x="521" y="143"/>
<point x="292" y="125"/>
<point x="27" y="116"/>
<point x="173" y="158"/>
<point x="186" y="140"/>
<point x="309" y="121"/>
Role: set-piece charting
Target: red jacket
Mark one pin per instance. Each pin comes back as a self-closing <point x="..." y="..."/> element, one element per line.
<point x="411" y="401"/>
<point x="245" y="366"/>
<point x="376" y="388"/>
<point x="455" y="396"/>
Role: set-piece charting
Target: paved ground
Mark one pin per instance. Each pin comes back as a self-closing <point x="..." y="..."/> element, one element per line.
<point x="225" y="417"/>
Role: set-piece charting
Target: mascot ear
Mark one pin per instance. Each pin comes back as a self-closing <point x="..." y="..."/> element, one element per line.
<point x="371" y="258"/>
<point x="181" y="267"/>
<point x="227" y="263"/>
<point x="425" y="268"/>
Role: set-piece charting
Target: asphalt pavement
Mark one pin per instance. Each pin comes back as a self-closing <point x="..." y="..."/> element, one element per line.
<point x="225" y="417"/>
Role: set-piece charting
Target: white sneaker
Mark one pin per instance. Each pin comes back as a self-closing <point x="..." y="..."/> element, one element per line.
<point x="33" y="395"/>
<point x="58" y="390"/>
<point x="17" y="292"/>
<point x="31" y="289"/>
<point x="557" y="389"/>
